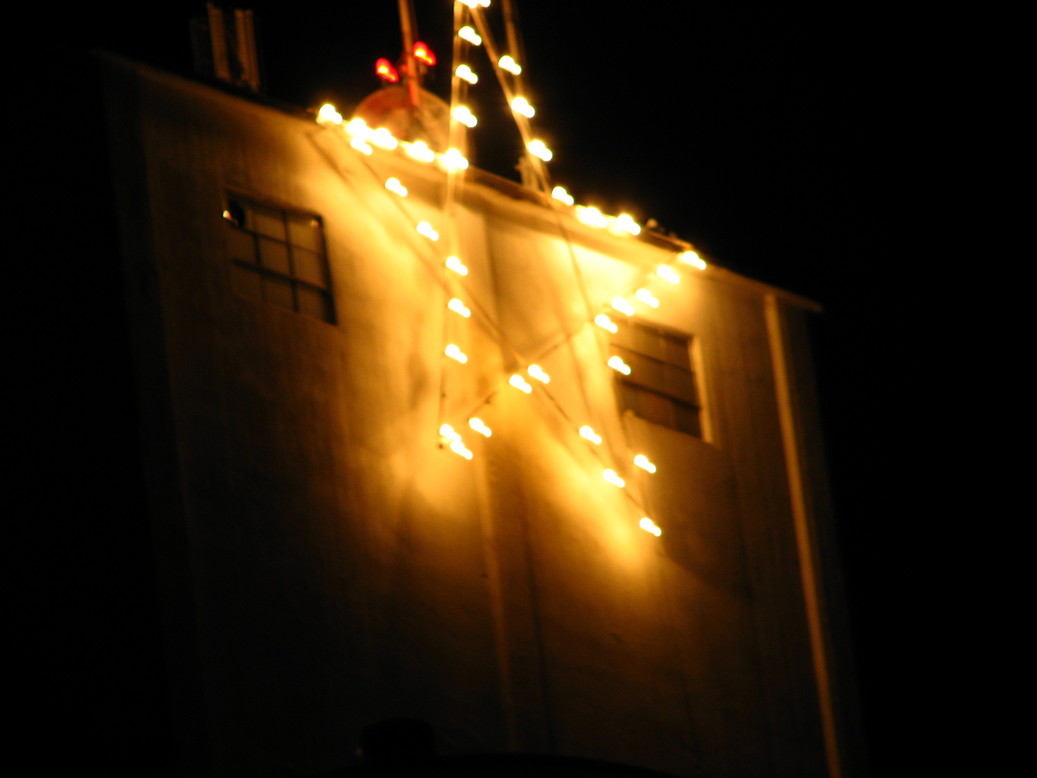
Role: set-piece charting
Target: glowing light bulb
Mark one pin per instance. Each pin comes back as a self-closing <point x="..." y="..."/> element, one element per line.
<point x="521" y="105"/>
<point x="357" y="128"/>
<point x="610" y="476"/>
<point x="448" y="433"/>
<point x="616" y="363"/>
<point x="394" y="186"/>
<point x="667" y="273"/>
<point x="473" y="4"/>
<point x="479" y="426"/>
<point x="606" y="323"/>
<point x="384" y="139"/>
<point x="385" y="71"/>
<point x="621" y="305"/>
<point x="427" y="230"/>
<point x="625" y="223"/>
<point x="559" y="193"/>
<point x="650" y="526"/>
<point x="590" y="434"/>
<point x="591" y="216"/>
<point x="469" y="34"/>
<point x="423" y="53"/>
<point x="538" y="373"/>
<point x="520" y="383"/>
<point x="453" y="160"/>
<point x="458" y="307"/>
<point x="454" y="352"/>
<point x="692" y="258"/>
<point x="644" y="463"/>
<point x="509" y="64"/>
<point x="538" y="149"/>
<point x="420" y="151"/>
<point x="459" y="448"/>
<point x="467" y="74"/>
<point x="361" y="145"/>
<point x="455" y="264"/>
<point x="328" y="115"/>
<point x="464" y="115"/>
<point x="647" y="297"/>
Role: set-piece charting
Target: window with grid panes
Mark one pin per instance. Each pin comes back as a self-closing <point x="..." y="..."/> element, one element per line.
<point x="278" y="256"/>
<point x="662" y="386"/>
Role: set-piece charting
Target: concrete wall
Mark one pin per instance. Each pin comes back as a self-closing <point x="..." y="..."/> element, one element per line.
<point x="328" y="564"/>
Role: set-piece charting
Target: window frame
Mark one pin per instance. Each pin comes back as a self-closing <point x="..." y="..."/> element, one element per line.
<point x="635" y="385"/>
<point x="295" y="280"/>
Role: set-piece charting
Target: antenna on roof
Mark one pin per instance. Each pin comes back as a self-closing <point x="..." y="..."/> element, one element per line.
<point x="224" y="46"/>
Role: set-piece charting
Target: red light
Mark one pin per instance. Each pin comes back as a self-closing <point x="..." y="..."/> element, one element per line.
<point x="423" y="53"/>
<point x="386" y="71"/>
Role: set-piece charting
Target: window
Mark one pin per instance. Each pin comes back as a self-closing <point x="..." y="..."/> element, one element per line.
<point x="278" y="256"/>
<point x="662" y="386"/>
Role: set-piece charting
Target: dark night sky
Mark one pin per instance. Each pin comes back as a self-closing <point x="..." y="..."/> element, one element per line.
<point x="777" y="139"/>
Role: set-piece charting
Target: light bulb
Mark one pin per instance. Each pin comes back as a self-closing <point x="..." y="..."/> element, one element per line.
<point x="479" y="426"/>
<point x="521" y="105"/>
<point x="644" y="463"/>
<point x="538" y="373"/>
<point x="647" y="298"/>
<point x="384" y="139"/>
<point x="509" y="64"/>
<point x="610" y="476"/>
<point x="357" y="128"/>
<point x="459" y="448"/>
<point x="470" y="35"/>
<point x="420" y="151"/>
<point x="692" y="258"/>
<point x="455" y="264"/>
<point x="591" y="216"/>
<point x="328" y="115"/>
<point x="453" y="160"/>
<point x="621" y="305"/>
<point x="464" y="115"/>
<point x="625" y="223"/>
<point x="538" y="149"/>
<point x="590" y="434"/>
<point x="606" y="323"/>
<point x="394" y="186"/>
<point x="454" y="352"/>
<point x="361" y="145"/>
<point x="650" y="526"/>
<point x="458" y="307"/>
<point x="427" y="230"/>
<point x="467" y="74"/>
<point x="616" y="363"/>
<point x="559" y="193"/>
<point x="520" y="383"/>
<point x="667" y="273"/>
